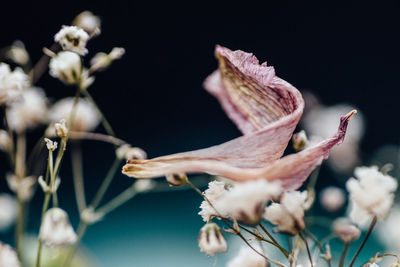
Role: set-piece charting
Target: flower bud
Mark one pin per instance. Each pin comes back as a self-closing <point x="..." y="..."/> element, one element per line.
<point x="300" y="140"/>
<point x="61" y="129"/>
<point x="51" y="146"/>
<point x="56" y="229"/>
<point x="66" y="66"/>
<point x="211" y="239"/>
<point x="72" y="38"/>
<point x="332" y="198"/>
<point x="5" y="141"/>
<point x="17" y="53"/>
<point x="176" y="179"/>
<point x="23" y="187"/>
<point x="143" y="185"/>
<point x="130" y="153"/>
<point x="346" y="231"/>
<point x="88" y="22"/>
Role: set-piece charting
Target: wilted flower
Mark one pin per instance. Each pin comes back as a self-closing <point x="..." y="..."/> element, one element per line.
<point x="288" y="215"/>
<point x="5" y="141"/>
<point x="211" y="240"/>
<point x="102" y="60"/>
<point x="88" y="22"/>
<point x="56" y="229"/>
<point x="23" y="187"/>
<point x="176" y="179"/>
<point x="266" y="109"/>
<point x="248" y="258"/>
<point x="8" y="211"/>
<point x="300" y="140"/>
<point x="86" y="116"/>
<point x="51" y="146"/>
<point x="332" y="198"/>
<point x="216" y="189"/>
<point x="346" y="230"/>
<point x="66" y="66"/>
<point x="28" y="111"/>
<point x="12" y="83"/>
<point x="8" y="257"/>
<point x="371" y="194"/>
<point x="17" y="53"/>
<point x="72" y="38"/>
<point x="127" y="152"/>
<point x="245" y="201"/>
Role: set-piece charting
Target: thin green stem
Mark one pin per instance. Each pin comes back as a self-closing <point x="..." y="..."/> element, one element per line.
<point x="319" y="245"/>
<point x="77" y="170"/>
<point x="307" y="247"/>
<point x="371" y="227"/>
<point x="123" y="197"/>
<point x="106" y="183"/>
<point x="286" y="253"/>
<point x="344" y="253"/>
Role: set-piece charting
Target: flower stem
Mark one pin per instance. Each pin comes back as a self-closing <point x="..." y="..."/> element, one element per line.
<point x="123" y="197"/>
<point x="307" y="247"/>
<point x="77" y="170"/>
<point x="274" y="241"/>
<point x="344" y="254"/>
<point x="20" y="173"/>
<point x="371" y="227"/>
<point x="97" y="137"/>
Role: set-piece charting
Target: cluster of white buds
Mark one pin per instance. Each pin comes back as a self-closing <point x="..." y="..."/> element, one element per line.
<point x="67" y="67"/>
<point x="346" y="231"/>
<point x="8" y="256"/>
<point x="332" y="198"/>
<point x="12" y="83"/>
<point x="102" y="60"/>
<point x="49" y="188"/>
<point x="88" y="22"/>
<point x="176" y="179"/>
<point x="245" y="202"/>
<point x="288" y="215"/>
<point x="211" y="240"/>
<point x="300" y="140"/>
<point x="5" y="141"/>
<point x="72" y="38"/>
<point x="23" y="187"/>
<point x="51" y="145"/>
<point x="61" y="128"/>
<point x="130" y="153"/>
<point x="17" y="53"/>
<point x="56" y="229"/>
<point x="8" y="211"/>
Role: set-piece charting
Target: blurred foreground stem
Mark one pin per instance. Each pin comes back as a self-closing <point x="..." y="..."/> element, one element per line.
<point x="371" y="227"/>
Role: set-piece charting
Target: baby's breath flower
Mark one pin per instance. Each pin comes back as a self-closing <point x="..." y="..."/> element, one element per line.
<point x="66" y="66"/>
<point x="8" y="257"/>
<point x="130" y="153"/>
<point x="28" y="111"/>
<point x="102" y="60"/>
<point x="346" y="231"/>
<point x="289" y="214"/>
<point x="211" y="240"/>
<point x="72" y="38"/>
<point x="5" y="141"/>
<point x="245" y="201"/>
<point x="332" y="198"/>
<point x="56" y="229"/>
<point x="371" y="194"/>
<point x="51" y="146"/>
<point x="22" y="187"/>
<point x="143" y="185"/>
<point x="86" y="117"/>
<point x="61" y="128"/>
<point x="176" y="179"/>
<point x="88" y="22"/>
<point x="17" y="53"/>
<point x="12" y="83"/>
<point x="8" y="211"/>
<point x="300" y="140"/>
<point x="248" y="258"/>
<point x="216" y="189"/>
<point x="47" y="188"/>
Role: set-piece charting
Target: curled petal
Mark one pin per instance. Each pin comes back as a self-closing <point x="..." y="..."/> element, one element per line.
<point x="266" y="109"/>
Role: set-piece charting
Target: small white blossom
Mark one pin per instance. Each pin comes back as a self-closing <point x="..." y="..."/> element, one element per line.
<point x="8" y="211"/>
<point x="28" y="111"/>
<point x="17" y="53"/>
<point x="245" y="201"/>
<point x="332" y="198"/>
<point x="48" y="188"/>
<point x="346" y="230"/>
<point x="5" y="141"/>
<point x="248" y="258"/>
<point x="23" y="187"/>
<point x="216" y="189"/>
<point x="61" y="128"/>
<point x="8" y="256"/>
<point x="51" y="146"/>
<point x="88" y="22"/>
<point x="66" y="66"/>
<point x="130" y="153"/>
<point x="102" y="60"/>
<point x="72" y="38"/>
<point x="211" y="240"/>
<point x="56" y="229"/>
<point x="12" y="83"/>
<point x="288" y="215"/>
<point x="371" y="194"/>
<point x="86" y="116"/>
<point x="143" y="185"/>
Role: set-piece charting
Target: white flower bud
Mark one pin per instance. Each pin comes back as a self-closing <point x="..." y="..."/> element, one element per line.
<point x="102" y="60"/>
<point x="176" y="179"/>
<point x="51" y="146"/>
<point x="72" y="38"/>
<point x="12" y="83"/>
<point x="17" y="53"/>
<point x="88" y="22"/>
<point x="211" y="240"/>
<point x="332" y="198"/>
<point x="47" y="188"/>
<point x="8" y="211"/>
<point x="61" y="128"/>
<point x="5" y="141"/>
<point x="143" y="185"/>
<point x="22" y="187"/>
<point x="300" y="140"/>
<point x="130" y="153"/>
<point x="8" y="256"/>
<point x="345" y="230"/>
<point x="56" y="229"/>
<point x="66" y="66"/>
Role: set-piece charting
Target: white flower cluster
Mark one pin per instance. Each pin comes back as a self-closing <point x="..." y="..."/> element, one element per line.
<point x="12" y="83"/>
<point x="73" y="38"/>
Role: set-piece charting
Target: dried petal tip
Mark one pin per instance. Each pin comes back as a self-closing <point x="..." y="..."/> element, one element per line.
<point x="211" y="240"/>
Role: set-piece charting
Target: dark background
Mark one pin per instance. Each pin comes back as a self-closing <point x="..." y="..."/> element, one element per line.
<point x="153" y="96"/>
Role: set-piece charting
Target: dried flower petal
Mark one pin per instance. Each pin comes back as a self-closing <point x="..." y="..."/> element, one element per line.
<point x="266" y="109"/>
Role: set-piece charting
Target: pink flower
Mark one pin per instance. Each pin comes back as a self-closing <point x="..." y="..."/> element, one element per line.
<point x="266" y="109"/>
